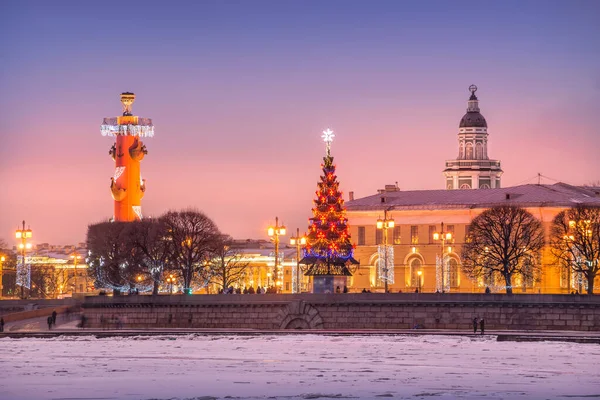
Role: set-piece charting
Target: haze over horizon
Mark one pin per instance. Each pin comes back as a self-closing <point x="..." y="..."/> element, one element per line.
<point x="240" y="92"/>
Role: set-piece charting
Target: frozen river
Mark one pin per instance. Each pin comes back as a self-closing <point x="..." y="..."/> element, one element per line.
<point x="296" y="367"/>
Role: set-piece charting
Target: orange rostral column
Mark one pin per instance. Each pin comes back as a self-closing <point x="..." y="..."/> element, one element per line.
<point x="127" y="185"/>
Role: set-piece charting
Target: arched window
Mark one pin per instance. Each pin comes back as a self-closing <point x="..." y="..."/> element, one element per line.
<point x="478" y="151"/>
<point x="484" y="186"/>
<point x="469" y="151"/>
<point x="415" y="266"/>
<point x="461" y="151"/>
<point x="453" y="272"/>
<point x="465" y="186"/>
<point x="373" y="278"/>
<point x="527" y="274"/>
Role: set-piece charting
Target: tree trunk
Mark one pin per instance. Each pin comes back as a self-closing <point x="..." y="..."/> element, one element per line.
<point x="590" y="279"/>
<point x="155" y="288"/>
<point x="508" y="280"/>
<point x="187" y="279"/>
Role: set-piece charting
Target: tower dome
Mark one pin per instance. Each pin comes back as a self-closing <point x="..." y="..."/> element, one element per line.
<point x="472" y="120"/>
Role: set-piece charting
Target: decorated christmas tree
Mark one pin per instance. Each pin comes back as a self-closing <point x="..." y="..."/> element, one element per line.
<point x="328" y="251"/>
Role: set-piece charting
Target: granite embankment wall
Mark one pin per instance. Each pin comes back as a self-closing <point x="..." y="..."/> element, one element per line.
<point x="18" y="310"/>
<point x="346" y="311"/>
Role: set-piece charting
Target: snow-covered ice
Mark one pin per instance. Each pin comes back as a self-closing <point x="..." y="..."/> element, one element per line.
<point x="296" y="366"/>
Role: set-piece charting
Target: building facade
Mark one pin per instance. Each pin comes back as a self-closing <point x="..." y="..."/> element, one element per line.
<point x="417" y="255"/>
<point x="472" y="169"/>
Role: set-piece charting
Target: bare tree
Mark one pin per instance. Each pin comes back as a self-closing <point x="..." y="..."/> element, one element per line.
<point x="9" y="268"/>
<point x="150" y="239"/>
<point x="44" y="281"/>
<point x="112" y="260"/>
<point x="575" y="242"/>
<point x="192" y="236"/>
<point x="503" y="241"/>
<point x="226" y="266"/>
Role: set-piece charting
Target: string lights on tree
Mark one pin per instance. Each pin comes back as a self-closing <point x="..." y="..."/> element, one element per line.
<point x="328" y="249"/>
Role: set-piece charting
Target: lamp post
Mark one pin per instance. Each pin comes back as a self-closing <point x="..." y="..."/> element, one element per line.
<point x="419" y="273"/>
<point x="170" y="281"/>
<point x="385" y="224"/>
<point x="2" y="259"/>
<point x="75" y="257"/>
<point x="297" y="241"/>
<point x="23" y="234"/>
<point x="442" y="236"/>
<point x="274" y="232"/>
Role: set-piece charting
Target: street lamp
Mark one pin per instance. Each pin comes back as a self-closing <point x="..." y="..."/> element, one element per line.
<point x="442" y="236"/>
<point x="2" y="259"/>
<point x="23" y="276"/>
<point x="419" y="273"/>
<point x="297" y="241"/>
<point x="170" y="281"/>
<point x="275" y="232"/>
<point x="75" y="257"/>
<point x="385" y="224"/>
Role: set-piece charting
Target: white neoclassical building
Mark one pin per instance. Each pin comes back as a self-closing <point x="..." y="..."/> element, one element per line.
<point x="473" y="169"/>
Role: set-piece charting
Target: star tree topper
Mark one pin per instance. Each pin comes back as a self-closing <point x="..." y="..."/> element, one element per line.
<point x="328" y="136"/>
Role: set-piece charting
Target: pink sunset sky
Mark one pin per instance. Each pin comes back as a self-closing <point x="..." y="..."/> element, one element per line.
<point x="239" y="93"/>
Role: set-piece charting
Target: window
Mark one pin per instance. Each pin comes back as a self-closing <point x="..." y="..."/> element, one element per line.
<point x="465" y="186"/>
<point x="478" y="151"/>
<point x="564" y="277"/>
<point x="415" y="267"/>
<point x="431" y="232"/>
<point x="450" y="228"/>
<point x="287" y="286"/>
<point x="378" y="236"/>
<point x="527" y="274"/>
<point x="488" y="278"/>
<point x="467" y="232"/>
<point x="361" y="235"/>
<point x="469" y="152"/>
<point x="397" y="237"/>
<point x="414" y="234"/>
<point x="453" y="272"/>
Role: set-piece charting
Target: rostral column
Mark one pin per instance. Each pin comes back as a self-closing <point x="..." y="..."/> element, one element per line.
<point x="126" y="185"/>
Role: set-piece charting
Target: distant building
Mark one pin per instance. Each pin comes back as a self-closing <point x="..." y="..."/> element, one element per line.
<point x="472" y="169"/>
<point x="420" y="213"/>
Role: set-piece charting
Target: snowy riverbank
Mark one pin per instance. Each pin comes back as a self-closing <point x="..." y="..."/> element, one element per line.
<point x="295" y="366"/>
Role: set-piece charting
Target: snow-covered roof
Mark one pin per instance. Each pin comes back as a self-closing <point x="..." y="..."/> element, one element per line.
<point x="557" y="195"/>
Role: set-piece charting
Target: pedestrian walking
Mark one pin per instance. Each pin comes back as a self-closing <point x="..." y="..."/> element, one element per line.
<point x="482" y="325"/>
<point x="54" y="317"/>
<point x="49" y="322"/>
<point x="475" y="321"/>
<point x="1" y="324"/>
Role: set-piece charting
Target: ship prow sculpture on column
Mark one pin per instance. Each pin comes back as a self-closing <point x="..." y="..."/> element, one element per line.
<point x="328" y="255"/>
<point x="126" y="184"/>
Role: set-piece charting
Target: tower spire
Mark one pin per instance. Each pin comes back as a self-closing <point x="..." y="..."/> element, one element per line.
<point x="473" y="105"/>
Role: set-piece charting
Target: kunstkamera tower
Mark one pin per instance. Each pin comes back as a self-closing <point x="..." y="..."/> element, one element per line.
<point x="126" y="185"/>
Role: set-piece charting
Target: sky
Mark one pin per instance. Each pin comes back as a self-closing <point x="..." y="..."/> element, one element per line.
<point x="240" y="91"/>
